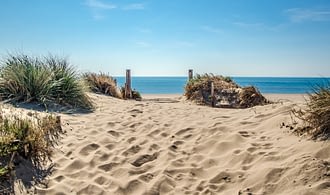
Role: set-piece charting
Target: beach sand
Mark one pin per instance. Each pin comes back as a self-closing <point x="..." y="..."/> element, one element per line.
<point x="166" y="145"/>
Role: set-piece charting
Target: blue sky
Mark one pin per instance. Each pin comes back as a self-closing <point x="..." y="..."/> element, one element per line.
<point x="167" y="37"/>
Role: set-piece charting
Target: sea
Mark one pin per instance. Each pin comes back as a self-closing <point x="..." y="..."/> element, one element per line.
<point x="267" y="85"/>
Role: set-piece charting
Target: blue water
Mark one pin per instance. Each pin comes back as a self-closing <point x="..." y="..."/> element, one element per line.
<point x="175" y="85"/>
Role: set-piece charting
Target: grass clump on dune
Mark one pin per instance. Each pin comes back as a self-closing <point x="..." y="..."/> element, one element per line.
<point x="102" y="83"/>
<point x="49" y="80"/>
<point x="199" y="87"/>
<point x="105" y="84"/>
<point x="227" y="92"/>
<point x="25" y="139"/>
<point x="316" y="115"/>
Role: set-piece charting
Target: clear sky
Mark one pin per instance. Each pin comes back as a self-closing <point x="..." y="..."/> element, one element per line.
<point x="167" y="37"/>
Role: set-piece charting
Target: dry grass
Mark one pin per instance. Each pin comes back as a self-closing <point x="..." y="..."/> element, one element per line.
<point x="316" y="115"/>
<point x="198" y="89"/>
<point x="227" y="92"/>
<point x="102" y="83"/>
<point x="105" y="84"/>
<point x="29" y="136"/>
<point x="135" y="94"/>
<point x="250" y="96"/>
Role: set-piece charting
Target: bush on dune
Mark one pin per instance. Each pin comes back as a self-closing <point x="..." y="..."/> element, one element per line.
<point x="227" y="92"/>
<point x="316" y="115"/>
<point x="47" y="81"/>
<point x="28" y="140"/>
<point x="102" y="83"/>
<point x="105" y="84"/>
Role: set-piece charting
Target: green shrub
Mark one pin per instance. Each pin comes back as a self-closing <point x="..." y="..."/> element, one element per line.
<point x="102" y="83"/>
<point x="48" y="80"/>
<point x="136" y="95"/>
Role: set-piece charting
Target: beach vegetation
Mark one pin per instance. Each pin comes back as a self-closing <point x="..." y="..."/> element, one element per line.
<point x="102" y="83"/>
<point x="226" y="92"/>
<point x="26" y="139"/>
<point x="47" y="80"/>
<point x="136" y="95"/>
<point x="316" y="113"/>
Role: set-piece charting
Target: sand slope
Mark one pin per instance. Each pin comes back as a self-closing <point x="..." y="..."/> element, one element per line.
<point x="169" y="147"/>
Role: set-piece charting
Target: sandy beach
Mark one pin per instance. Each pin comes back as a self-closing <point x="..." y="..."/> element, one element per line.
<point x="166" y="145"/>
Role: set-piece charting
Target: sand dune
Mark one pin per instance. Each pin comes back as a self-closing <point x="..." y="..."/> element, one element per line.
<point x="176" y="147"/>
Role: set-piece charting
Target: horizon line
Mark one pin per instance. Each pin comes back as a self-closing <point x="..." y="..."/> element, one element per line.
<point x="251" y="76"/>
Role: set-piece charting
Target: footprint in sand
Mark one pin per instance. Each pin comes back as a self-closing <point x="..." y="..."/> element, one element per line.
<point x="244" y="133"/>
<point x="146" y="177"/>
<point x="107" y="167"/>
<point x="154" y="147"/>
<point x="222" y="177"/>
<point x="135" y="125"/>
<point x="154" y="133"/>
<point x="252" y="149"/>
<point x="100" y="180"/>
<point x="59" y="178"/>
<point x="110" y="146"/>
<point x="164" y="134"/>
<point x="132" y="150"/>
<point x="88" y="149"/>
<point x="111" y="124"/>
<point x="136" y="111"/>
<point x="144" y="159"/>
<point x="246" y="191"/>
<point x="113" y="133"/>
<point x="183" y="131"/>
<point x="131" y="139"/>
<point x="246" y="122"/>
<point x="267" y="146"/>
<point x="75" y="165"/>
<point x="91" y="189"/>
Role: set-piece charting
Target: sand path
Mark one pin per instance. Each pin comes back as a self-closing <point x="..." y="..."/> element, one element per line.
<point x="169" y="147"/>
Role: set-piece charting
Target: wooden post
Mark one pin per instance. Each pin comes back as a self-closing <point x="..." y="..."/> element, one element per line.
<point x="190" y="74"/>
<point x="128" y="89"/>
<point x="212" y="95"/>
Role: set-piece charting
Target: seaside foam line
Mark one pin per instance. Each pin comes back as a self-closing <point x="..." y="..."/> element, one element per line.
<point x="148" y="147"/>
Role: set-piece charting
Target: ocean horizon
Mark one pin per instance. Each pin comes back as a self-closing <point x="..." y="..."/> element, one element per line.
<point x="267" y="85"/>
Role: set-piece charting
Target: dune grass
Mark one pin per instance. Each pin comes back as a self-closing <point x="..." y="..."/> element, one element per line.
<point x="105" y="84"/>
<point x="199" y="87"/>
<point x="227" y="92"/>
<point x="45" y="80"/>
<point x="316" y="115"/>
<point x="135" y="94"/>
<point x="31" y="138"/>
<point x="102" y="83"/>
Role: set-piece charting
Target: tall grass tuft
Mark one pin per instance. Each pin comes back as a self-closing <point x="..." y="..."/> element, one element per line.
<point x="316" y="115"/>
<point x="46" y="80"/>
<point x="102" y="83"/>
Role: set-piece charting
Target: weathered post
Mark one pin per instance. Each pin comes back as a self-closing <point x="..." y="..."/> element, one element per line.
<point x="190" y="74"/>
<point x="212" y="95"/>
<point x="128" y="89"/>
